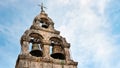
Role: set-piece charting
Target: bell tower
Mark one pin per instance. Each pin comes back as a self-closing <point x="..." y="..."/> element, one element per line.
<point x="43" y="47"/>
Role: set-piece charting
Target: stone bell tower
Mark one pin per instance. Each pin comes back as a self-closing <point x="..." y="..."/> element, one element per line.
<point x="43" y="47"/>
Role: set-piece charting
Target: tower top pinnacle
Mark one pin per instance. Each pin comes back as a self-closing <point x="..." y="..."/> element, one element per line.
<point x="42" y="7"/>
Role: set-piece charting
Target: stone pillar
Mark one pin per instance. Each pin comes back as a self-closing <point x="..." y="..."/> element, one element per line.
<point x="25" y="47"/>
<point x="46" y="48"/>
<point x="67" y="53"/>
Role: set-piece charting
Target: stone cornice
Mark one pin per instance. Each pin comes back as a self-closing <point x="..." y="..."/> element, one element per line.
<point x="47" y="60"/>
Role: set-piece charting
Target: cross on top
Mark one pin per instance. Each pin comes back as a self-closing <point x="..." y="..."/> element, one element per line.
<point x="42" y="7"/>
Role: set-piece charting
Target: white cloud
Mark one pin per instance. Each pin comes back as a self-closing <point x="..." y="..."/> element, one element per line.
<point x="7" y="2"/>
<point x="61" y="2"/>
<point x="85" y="27"/>
<point x="99" y="5"/>
<point x="88" y="29"/>
<point x="85" y="3"/>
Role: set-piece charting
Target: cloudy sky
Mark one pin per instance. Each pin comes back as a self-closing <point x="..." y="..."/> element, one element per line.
<point x="91" y="26"/>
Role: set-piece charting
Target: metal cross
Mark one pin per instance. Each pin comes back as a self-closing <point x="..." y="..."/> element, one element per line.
<point x="42" y="7"/>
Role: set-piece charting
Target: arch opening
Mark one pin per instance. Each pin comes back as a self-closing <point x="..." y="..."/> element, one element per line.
<point x="35" y="41"/>
<point x="57" y="49"/>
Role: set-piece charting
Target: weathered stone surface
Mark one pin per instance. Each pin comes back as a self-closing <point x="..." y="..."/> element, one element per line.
<point x="43" y="34"/>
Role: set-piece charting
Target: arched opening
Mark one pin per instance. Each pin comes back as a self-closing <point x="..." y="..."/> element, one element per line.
<point x="50" y="50"/>
<point x="44" y="23"/>
<point x="57" y="49"/>
<point x="35" y="42"/>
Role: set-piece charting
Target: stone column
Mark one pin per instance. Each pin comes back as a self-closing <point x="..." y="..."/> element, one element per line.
<point x="25" y="47"/>
<point x="46" y="49"/>
<point x="67" y="54"/>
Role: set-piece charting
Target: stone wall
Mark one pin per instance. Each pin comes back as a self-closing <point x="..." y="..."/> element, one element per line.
<point x="27" y="61"/>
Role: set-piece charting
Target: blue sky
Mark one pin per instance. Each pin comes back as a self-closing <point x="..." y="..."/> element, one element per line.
<point x="91" y="26"/>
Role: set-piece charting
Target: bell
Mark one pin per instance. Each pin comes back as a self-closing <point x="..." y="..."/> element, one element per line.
<point x="36" y="50"/>
<point x="57" y="52"/>
<point x="45" y="25"/>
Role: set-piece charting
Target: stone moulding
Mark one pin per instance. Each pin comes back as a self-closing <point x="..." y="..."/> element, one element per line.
<point x="47" y="60"/>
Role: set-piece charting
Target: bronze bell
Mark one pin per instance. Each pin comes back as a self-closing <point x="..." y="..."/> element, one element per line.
<point x="57" y="52"/>
<point x="36" y="50"/>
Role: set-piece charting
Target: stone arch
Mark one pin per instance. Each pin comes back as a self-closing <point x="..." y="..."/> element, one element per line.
<point x="36" y="43"/>
<point x="44" y="23"/>
<point x="56" y="40"/>
<point x="27" y="39"/>
<point x="57" y="48"/>
<point x="41" y="22"/>
<point x="36" y="35"/>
